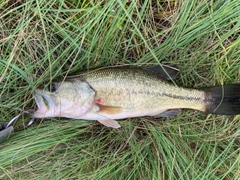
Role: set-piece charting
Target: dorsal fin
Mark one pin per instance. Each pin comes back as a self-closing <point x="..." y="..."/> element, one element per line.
<point x="164" y="72"/>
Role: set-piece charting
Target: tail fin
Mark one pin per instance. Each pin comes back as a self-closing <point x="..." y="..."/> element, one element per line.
<point x="223" y="100"/>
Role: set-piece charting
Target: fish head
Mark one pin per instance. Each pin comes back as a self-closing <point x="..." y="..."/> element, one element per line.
<point x="69" y="99"/>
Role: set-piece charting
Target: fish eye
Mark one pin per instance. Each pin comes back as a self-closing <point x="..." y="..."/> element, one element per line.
<point x="52" y="87"/>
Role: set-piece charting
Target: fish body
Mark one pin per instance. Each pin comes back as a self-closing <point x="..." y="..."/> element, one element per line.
<point x="140" y="93"/>
<point x="116" y="93"/>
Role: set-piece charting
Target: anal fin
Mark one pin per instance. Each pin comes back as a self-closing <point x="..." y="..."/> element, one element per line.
<point x="110" y="123"/>
<point x="168" y="113"/>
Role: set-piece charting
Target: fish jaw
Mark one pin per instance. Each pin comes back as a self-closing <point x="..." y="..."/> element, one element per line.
<point x="45" y="105"/>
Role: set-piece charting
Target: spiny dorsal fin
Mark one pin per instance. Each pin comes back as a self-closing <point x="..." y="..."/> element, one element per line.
<point x="164" y="72"/>
<point x="168" y="73"/>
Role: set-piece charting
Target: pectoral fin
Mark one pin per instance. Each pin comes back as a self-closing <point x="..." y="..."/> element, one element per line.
<point x="109" y="109"/>
<point x="168" y="113"/>
<point x="110" y="123"/>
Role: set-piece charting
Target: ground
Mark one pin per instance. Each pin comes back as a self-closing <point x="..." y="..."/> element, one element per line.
<point x="42" y="40"/>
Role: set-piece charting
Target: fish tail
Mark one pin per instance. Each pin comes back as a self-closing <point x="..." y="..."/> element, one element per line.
<point x="223" y="100"/>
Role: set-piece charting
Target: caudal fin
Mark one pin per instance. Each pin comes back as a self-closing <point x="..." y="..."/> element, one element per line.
<point x="223" y="100"/>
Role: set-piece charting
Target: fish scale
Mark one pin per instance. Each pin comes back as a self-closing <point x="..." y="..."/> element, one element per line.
<point x="140" y="90"/>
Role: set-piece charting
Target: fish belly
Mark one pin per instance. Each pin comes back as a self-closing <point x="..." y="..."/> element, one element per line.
<point x="122" y="115"/>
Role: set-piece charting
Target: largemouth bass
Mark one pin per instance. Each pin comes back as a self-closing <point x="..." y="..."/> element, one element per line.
<point x="115" y="93"/>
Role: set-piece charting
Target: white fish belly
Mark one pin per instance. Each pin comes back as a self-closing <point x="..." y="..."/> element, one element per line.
<point x="122" y="115"/>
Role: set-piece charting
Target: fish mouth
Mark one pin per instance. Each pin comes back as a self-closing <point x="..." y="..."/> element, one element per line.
<point x="43" y="101"/>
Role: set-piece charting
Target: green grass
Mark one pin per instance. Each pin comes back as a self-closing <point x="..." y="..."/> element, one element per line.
<point x="41" y="40"/>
